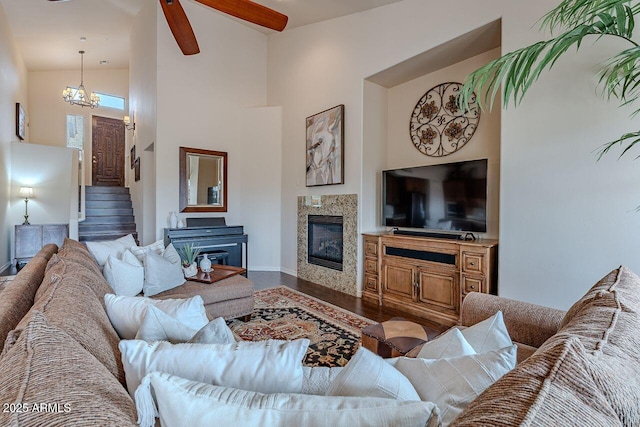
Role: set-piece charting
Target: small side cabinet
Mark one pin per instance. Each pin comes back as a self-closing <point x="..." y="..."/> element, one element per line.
<point x="29" y="239"/>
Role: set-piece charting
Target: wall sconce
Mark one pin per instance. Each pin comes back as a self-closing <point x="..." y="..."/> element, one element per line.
<point x="26" y="193"/>
<point x="129" y="124"/>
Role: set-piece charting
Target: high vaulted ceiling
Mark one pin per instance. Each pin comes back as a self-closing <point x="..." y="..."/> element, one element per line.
<point x="48" y="33"/>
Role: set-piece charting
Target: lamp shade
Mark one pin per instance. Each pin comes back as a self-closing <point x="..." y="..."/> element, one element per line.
<point x="26" y="192"/>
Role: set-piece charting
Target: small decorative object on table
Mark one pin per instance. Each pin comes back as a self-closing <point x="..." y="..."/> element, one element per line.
<point x="205" y="264"/>
<point x="189" y="254"/>
<point x="173" y="219"/>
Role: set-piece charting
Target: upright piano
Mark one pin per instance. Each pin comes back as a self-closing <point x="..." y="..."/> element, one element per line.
<point x="223" y="244"/>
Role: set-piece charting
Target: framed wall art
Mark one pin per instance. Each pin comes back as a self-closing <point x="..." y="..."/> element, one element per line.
<point x="132" y="156"/>
<point x="21" y="121"/>
<point x="325" y="147"/>
<point x="137" y="169"/>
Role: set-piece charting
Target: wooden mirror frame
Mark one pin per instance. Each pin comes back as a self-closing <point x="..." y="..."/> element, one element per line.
<point x="184" y="206"/>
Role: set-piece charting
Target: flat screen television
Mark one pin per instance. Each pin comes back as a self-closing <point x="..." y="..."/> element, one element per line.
<point x="451" y="196"/>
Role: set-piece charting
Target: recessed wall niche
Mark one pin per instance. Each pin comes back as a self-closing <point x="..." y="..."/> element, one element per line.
<point x="389" y="99"/>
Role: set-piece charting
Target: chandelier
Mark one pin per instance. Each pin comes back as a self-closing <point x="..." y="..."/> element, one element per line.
<point x="79" y="96"/>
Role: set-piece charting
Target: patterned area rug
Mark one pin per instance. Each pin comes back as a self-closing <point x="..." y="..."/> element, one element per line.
<point x="285" y="314"/>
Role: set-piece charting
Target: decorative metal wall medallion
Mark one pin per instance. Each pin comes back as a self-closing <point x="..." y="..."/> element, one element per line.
<point x="438" y="127"/>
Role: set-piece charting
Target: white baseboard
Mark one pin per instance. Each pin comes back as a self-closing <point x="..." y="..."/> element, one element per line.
<point x="4" y="267"/>
<point x="258" y="268"/>
<point x="290" y="272"/>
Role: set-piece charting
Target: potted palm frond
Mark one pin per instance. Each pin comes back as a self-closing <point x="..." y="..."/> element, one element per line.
<point x="574" y="21"/>
<point x="189" y="254"/>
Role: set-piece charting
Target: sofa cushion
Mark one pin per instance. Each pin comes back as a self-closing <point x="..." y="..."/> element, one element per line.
<point x="71" y="304"/>
<point x="182" y="402"/>
<point x="453" y="383"/>
<point x="368" y="375"/>
<point x="162" y="272"/>
<point x="102" y="250"/>
<point x="159" y="326"/>
<point x="450" y="344"/>
<point x="555" y="387"/>
<point x="125" y="274"/>
<point x="266" y="366"/>
<point x="586" y="371"/>
<point x="127" y="313"/>
<point x="48" y="367"/>
<point x="19" y="294"/>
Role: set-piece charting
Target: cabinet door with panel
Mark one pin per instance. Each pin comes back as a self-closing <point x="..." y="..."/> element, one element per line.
<point x="439" y="290"/>
<point x="399" y="279"/>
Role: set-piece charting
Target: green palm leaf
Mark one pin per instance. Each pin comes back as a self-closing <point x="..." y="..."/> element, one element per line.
<point x="579" y="20"/>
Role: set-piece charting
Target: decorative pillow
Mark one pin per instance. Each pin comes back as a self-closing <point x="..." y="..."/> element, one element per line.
<point x="159" y="326"/>
<point x="124" y="277"/>
<point x="127" y="313"/>
<point x="181" y="402"/>
<point x="156" y="247"/>
<point x="368" y="375"/>
<point x="102" y="250"/>
<point x="454" y="382"/>
<point x="490" y="334"/>
<point x="46" y="365"/>
<point x="266" y="366"/>
<point x="450" y="344"/>
<point x="162" y="272"/>
<point x="316" y="380"/>
<point x="216" y="332"/>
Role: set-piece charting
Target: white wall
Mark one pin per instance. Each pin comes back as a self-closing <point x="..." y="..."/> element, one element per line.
<point x="143" y="94"/>
<point x="557" y="205"/>
<point x="49" y="171"/>
<point x="48" y="111"/>
<point x="13" y="88"/>
<point x="203" y="102"/>
<point x="485" y="143"/>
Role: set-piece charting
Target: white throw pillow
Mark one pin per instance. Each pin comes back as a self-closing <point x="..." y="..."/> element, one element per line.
<point x="126" y="313"/>
<point x="490" y="334"/>
<point x="102" y="250"/>
<point x="215" y="332"/>
<point x="124" y="277"/>
<point x="181" y="402"/>
<point x="450" y="344"/>
<point x="139" y="251"/>
<point x="162" y="272"/>
<point x="316" y="380"/>
<point x="367" y="374"/>
<point x="453" y="383"/>
<point x="159" y="326"/>
<point x="266" y="366"/>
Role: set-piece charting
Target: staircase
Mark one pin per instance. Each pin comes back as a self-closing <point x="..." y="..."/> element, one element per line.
<point x="109" y="214"/>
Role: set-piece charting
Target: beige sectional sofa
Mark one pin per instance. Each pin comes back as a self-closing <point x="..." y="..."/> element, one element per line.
<point x="61" y="364"/>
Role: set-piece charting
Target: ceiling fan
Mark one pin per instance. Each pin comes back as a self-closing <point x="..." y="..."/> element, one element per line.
<point x="243" y="9"/>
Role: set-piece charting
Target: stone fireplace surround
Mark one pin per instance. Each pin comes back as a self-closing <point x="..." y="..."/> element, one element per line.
<point x="345" y="205"/>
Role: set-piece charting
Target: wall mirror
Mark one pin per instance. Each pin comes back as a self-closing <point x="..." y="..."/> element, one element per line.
<point x="203" y="180"/>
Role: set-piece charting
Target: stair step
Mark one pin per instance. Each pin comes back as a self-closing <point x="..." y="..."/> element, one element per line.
<point x="106" y="196"/>
<point x="108" y="204"/>
<point x="112" y="190"/>
<point x="99" y="237"/>
<point x="89" y="228"/>
<point x="108" y="212"/>
<point x="119" y="219"/>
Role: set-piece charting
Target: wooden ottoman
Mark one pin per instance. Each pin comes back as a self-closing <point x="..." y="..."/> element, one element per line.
<point x="229" y="298"/>
<point x="394" y="338"/>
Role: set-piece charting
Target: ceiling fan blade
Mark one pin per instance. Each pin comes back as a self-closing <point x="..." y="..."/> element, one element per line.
<point x="250" y="11"/>
<point x="180" y="26"/>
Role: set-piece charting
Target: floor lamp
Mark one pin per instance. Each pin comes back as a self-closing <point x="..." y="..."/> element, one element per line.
<point x="26" y="193"/>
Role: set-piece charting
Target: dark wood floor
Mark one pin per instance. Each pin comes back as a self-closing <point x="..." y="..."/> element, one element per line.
<point x="269" y="279"/>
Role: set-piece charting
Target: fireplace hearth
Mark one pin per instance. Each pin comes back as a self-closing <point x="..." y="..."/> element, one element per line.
<point x="325" y="241"/>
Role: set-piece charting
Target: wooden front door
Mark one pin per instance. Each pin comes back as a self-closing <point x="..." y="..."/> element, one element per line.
<point x="108" y="152"/>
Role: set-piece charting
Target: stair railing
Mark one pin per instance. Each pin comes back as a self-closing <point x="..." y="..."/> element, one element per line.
<point x="82" y="194"/>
